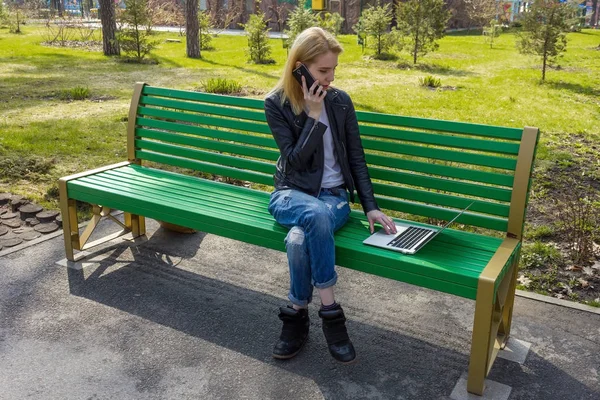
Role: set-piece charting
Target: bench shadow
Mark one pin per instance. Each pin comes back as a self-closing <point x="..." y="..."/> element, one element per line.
<point x="156" y="287"/>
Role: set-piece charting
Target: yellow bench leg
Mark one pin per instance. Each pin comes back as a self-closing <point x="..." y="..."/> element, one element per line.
<point x="491" y="326"/>
<point x="136" y="224"/>
<point x="70" y="228"/>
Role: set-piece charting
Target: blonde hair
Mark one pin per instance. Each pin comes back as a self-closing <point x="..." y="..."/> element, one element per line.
<point x="309" y="44"/>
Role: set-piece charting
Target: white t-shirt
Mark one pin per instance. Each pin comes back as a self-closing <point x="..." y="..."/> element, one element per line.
<point x="332" y="172"/>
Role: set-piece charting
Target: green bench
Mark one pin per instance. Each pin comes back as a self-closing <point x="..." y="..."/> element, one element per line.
<point x="419" y="167"/>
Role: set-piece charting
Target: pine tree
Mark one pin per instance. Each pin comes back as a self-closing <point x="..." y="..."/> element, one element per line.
<point x="135" y="36"/>
<point x="376" y="22"/>
<point x="259" y="49"/>
<point x="422" y="22"/>
<point x="205" y="24"/>
<point x="300" y="19"/>
<point x="544" y="31"/>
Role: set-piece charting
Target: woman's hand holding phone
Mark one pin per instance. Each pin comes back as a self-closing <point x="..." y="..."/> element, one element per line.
<point x="313" y="95"/>
<point x="313" y="98"/>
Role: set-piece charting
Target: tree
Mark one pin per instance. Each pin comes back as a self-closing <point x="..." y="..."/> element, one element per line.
<point x="205" y="24"/>
<point x="134" y="37"/>
<point x="332" y="23"/>
<point x="544" y="31"/>
<point x="376" y="21"/>
<point x="17" y="11"/>
<point x="259" y="49"/>
<point x="300" y="19"/>
<point x="192" y="28"/>
<point x="110" y="44"/>
<point x="279" y="12"/>
<point x="422" y="22"/>
<point x="492" y="31"/>
<point x="480" y="12"/>
<point x="3" y="14"/>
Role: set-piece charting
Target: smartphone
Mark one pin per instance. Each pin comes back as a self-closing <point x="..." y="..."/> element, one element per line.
<point x="302" y="71"/>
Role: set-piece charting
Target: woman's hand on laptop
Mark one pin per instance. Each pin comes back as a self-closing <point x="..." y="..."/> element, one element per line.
<point x="386" y="222"/>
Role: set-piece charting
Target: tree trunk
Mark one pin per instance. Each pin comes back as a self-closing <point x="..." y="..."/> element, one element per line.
<point x="192" y="29"/>
<point x="109" y="28"/>
<point x="594" y="20"/>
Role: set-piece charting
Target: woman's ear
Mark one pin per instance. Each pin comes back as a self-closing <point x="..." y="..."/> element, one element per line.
<point x="298" y="63"/>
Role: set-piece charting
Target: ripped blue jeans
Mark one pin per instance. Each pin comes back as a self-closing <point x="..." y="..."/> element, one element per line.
<point x="309" y="243"/>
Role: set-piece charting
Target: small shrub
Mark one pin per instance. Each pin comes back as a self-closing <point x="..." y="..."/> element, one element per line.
<point x="430" y="81"/>
<point x="540" y="255"/>
<point x="76" y="93"/>
<point x="221" y="86"/>
<point x="578" y="209"/>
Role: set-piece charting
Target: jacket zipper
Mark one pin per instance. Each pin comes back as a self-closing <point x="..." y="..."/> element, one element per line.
<point x="309" y="134"/>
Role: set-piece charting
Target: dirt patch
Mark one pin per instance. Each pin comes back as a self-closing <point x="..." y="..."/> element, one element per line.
<point x="90" y="45"/>
<point x="561" y="255"/>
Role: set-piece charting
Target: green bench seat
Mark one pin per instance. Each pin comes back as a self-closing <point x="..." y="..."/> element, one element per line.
<point x="178" y="140"/>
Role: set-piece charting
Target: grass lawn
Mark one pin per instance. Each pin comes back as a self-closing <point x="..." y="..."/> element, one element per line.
<point x="43" y="136"/>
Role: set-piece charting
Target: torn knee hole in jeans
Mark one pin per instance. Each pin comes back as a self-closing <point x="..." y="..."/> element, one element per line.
<point x="296" y="236"/>
<point x="342" y="204"/>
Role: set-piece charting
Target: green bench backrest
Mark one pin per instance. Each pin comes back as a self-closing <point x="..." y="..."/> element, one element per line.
<point x="419" y="166"/>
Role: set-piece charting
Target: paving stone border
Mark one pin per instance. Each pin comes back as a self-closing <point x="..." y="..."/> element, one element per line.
<point x="22" y="220"/>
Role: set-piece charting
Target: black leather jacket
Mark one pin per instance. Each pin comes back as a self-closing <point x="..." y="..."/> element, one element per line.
<point x="300" y="142"/>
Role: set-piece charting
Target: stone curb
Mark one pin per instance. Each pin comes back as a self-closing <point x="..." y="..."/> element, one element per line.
<point x="558" y="302"/>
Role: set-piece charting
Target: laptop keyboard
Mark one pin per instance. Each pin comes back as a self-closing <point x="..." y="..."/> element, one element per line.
<point x="409" y="238"/>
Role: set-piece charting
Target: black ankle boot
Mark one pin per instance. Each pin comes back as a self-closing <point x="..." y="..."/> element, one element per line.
<point x="293" y="334"/>
<point x="334" y="328"/>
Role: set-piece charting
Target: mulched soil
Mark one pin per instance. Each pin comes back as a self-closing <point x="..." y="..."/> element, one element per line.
<point x="558" y="203"/>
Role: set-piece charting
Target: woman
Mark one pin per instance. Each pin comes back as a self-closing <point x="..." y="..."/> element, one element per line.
<point x="322" y="162"/>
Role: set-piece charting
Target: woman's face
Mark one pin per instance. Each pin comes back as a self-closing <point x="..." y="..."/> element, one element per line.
<point x="323" y="68"/>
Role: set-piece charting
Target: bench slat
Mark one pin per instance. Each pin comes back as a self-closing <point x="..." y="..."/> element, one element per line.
<point x="445" y="200"/>
<point x="489" y="131"/>
<point x="453" y="186"/>
<point x="204" y="108"/>
<point x="207" y="156"/>
<point x="207" y="144"/>
<point x="432" y="168"/>
<point x="201" y="120"/>
<point x="454" y="141"/>
<point x="210" y="168"/>
<point x="485" y="160"/>
<point x="425" y="210"/>
<point x="203" y="97"/>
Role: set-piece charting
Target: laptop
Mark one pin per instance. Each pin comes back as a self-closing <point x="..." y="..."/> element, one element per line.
<point x="409" y="238"/>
